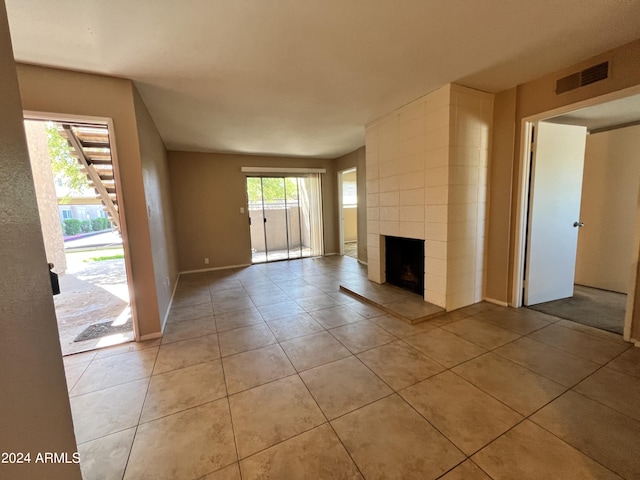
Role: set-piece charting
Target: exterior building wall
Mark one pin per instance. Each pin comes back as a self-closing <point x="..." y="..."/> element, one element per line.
<point x="46" y="194"/>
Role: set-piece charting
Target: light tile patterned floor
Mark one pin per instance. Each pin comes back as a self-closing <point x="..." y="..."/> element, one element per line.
<point x="271" y="372"/>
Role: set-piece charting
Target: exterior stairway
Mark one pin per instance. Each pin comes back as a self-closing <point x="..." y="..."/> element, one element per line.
<point x="90" y="145"/>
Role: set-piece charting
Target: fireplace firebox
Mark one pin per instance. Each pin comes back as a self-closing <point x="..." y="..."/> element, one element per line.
<point x="404" y="263"/>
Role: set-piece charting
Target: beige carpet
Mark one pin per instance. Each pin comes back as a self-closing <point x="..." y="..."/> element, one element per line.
<point x="590" y="306"/>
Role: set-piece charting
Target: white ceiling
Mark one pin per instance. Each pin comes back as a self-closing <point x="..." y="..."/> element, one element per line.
<point x="608" y="115"/>
<point x="303" y="77"/>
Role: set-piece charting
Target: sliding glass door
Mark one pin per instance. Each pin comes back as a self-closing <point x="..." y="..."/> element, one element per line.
<point x="285" y="217"/>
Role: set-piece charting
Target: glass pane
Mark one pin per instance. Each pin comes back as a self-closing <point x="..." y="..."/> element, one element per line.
<point x="281" y="211"/>
<point x="304" y="202"/>
<point x="293" y="216"/>
<point x="275" y="214"/>
<point x="254" y="196"/>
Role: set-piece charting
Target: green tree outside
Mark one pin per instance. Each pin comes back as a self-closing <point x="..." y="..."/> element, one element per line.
<point x="65" y="167"/>
<point x="273" y="189"/>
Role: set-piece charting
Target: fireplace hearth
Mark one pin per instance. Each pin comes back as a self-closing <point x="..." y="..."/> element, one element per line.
<point x="404" y="263"/>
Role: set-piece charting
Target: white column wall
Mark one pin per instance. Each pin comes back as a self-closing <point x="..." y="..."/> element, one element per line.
<point x="471" y="118"/>
<point x="426" y="179"/>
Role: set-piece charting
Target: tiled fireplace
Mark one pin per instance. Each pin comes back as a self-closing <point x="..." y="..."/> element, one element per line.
<point x="426" y="169"/>
<point x="404" y="263"/>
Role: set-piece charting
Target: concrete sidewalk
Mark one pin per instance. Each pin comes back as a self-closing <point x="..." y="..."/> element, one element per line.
<point x="105" y="239"/>
<point x="91" y="292"/>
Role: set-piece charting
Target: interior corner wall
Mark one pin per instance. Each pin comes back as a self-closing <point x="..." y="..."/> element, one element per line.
<point x="500" y="190"/>
<point x="35" y="415"/>
<point x="157" y="191"/>
<point x="207" y="192"/>
<point x="64" y="92"/>
<point x="362" y="204"/>
<point x="609" y="193"/>
<point x="357" y="159"/>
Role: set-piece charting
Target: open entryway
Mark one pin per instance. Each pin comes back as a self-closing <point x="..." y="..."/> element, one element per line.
<point x="284" y="217"/>
<point x="75" y="179"/>
<point x="580" y="238"/>
<point x="348" y="205"/>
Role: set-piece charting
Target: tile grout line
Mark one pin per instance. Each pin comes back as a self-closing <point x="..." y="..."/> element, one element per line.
<point x="602" y="367"/>
<point x="135" y="434"/>
<point x="566" y="442"/>
<point x="226" y="389"/>
<point x="526" y="417"/>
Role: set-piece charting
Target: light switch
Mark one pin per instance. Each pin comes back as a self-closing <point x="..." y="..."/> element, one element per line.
<point x="241" y="209"/>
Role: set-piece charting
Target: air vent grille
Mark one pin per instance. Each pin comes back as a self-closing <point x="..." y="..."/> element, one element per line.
<point x="585" y="77"/>
<point x="594" y="74"/>
<point x="570" y="82"/>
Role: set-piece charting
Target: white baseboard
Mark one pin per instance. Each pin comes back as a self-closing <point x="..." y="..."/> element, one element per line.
<point x="216" y="268"/>
<point x="362" y="262"/>
<point x="173" y="294"/>
<point x="330" y="254"/>
<point x="496" y="302"/>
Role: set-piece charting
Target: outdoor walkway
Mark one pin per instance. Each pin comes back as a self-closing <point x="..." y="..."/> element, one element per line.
<point x="91" y="292"/>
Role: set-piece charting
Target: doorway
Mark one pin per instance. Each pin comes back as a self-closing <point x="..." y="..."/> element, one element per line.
<point x="75" y="176"/>
<point x="567" y="240"/>
<point x="284" y="217"/>
<point x="348" y="205"/>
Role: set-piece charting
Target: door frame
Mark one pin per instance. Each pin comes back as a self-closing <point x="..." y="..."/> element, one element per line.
<point x="341" y="206"/>
<point x="284" y="174"/>
<point x="61" y="118"/>
<point x="340" y="215"/>
<point x="522" y="203"/>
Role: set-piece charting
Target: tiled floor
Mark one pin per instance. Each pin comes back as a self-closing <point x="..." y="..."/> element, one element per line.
<point x="396" y="301"/>
<point x="271" y="372"/>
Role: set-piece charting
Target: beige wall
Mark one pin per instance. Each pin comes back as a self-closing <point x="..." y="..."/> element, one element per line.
<point x="357" y="159"/>
<point x="72" y="93"/>
<point x="499" y="196"/>
<point x="155" y="175"/>
<point x="534" y="98"/>
<point x="609" y="193"/>
<point x="208" y="190"/>
<point x="350" y="216"/>
<point x="35" y="415"/>
<point x="46" y="194"/>
<point x="427" y="179"/>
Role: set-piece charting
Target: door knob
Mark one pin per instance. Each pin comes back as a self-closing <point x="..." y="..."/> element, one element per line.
<point x="578" y="224"/>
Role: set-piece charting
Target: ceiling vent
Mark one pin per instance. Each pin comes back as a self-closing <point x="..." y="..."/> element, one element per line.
<point x="585" y="77"/>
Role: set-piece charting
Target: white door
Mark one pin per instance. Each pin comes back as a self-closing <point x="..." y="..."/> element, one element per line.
<point x="554" y="211"/>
